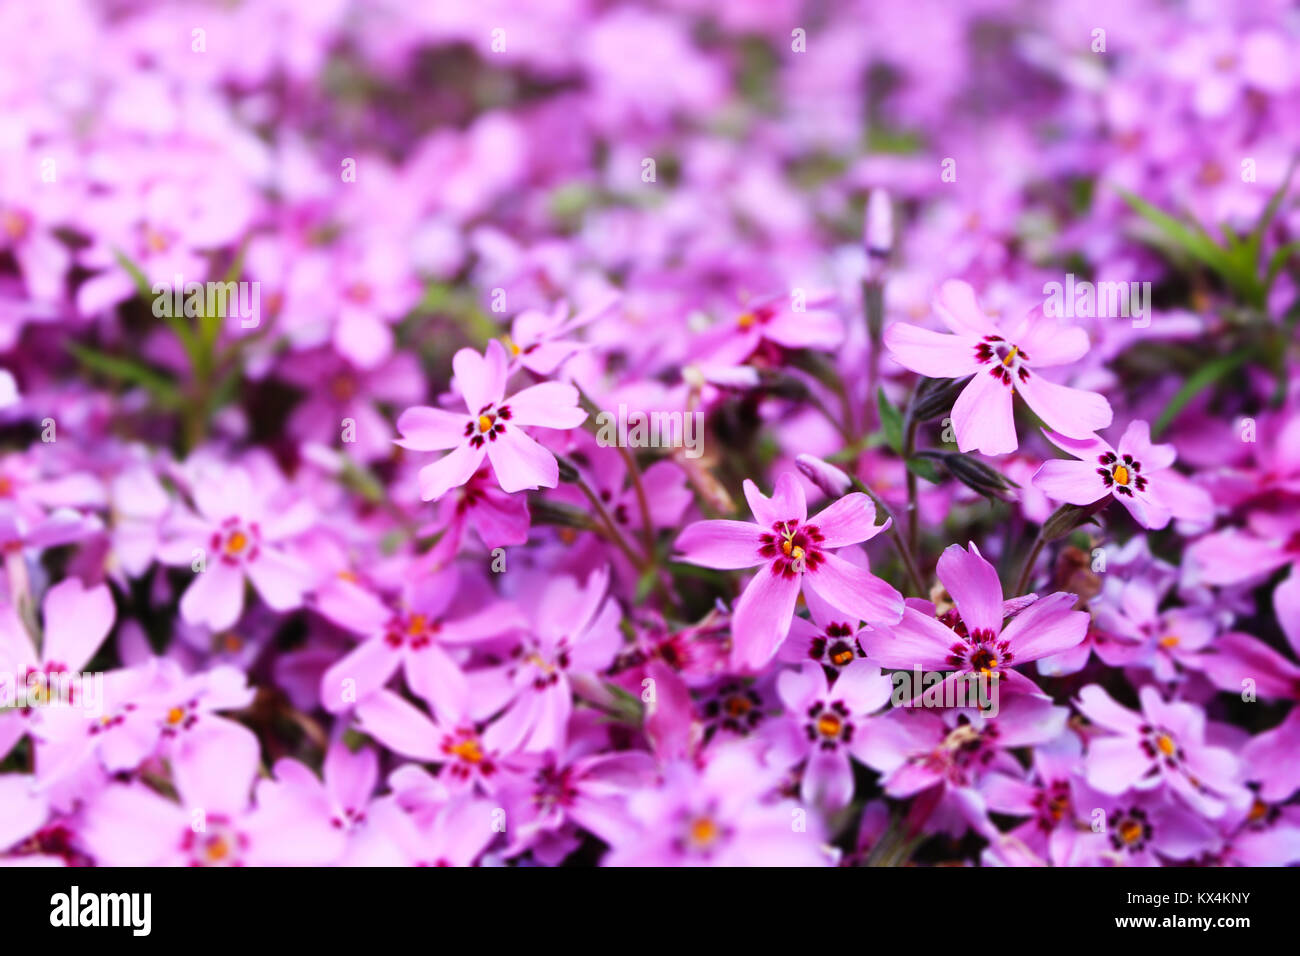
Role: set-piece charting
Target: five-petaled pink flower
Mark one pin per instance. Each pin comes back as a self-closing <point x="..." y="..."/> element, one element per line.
<point x="795" y="551"/>
<point x="971" y="638"/>
<point x="1003" y="361"/>
<point x="1137" y="473"/>
<point x="494" y="427"/>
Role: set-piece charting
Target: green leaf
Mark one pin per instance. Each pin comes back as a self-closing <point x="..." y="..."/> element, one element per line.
<point x="924" y="468"/>
<point x="1204" y="378"/>
<point x="1278" y="260"/>
<point x="1235" y="263"/>
<point x="142" y="286"/>
<point x="891" y="420"/>
<point x="130" y="372"/>
<point x="646" y="583"/>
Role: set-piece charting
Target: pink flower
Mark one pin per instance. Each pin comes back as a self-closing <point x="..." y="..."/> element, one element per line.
<point x="1142" y="829"/>
<point x="953" y="749"/>
<point x="238" y="533"/>
<point x="214" y="824"/>
<point x="493" y="427"/>
<point x="772" y="319"/>
<point x="1138" y="473"/>
<point x="573" y="632"/>
<point x="413" y="633"/>
<point x="468" y="756"/>
<point x="794" y="552"/>
<point x="77" y="619"/>
<point x="827" y="723"/>
<point x="1162" y="745"/>
<point x="1004" y="361"/>
<point x="538" y="340"/>
<point x="724" y="815"/>
<point x="972" y="639"/>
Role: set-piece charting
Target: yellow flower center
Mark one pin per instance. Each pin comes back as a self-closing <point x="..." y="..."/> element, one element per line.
<point x="746" y="320"/>
<point x="236" y="543"/>
<point x="14" y="224"/>
<point x="1169" y="640"/>
<point x="1130" y="831"/>
<point x="484" y="423"/>
<point x="738" y="706"/>
<point x="156" y="241"/>
<point x="217" y="849"/>
<point x="1120" y="474"/>
<point x="175" y="715"/>
<point x="1166" y="745"/>
<point x="1011" y="356"/>
<point x="704" y="832"/>
<point x="468" y="750"/>
<point x="828" y="725"/>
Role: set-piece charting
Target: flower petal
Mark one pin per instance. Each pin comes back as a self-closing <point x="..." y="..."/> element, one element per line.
<point x="548" y="405"/>
<point x="762" y="617"/>
<point x="430" y="429"/>
<point x="521" y="463"/>
<point x="1048" y="626"/>
<point x="918" y="640"/>
<point x="725" y="545"/>
<point x="974" y="586"/>
<point x="850" y="520"/>
<point x="929" y="353"/>
<point x="450" y="471"/>
<point x="481" y="378"/>
<point x="1073" y="412"/>
<point x="855" y="591"/>
<point x="982" y="419"/>
<point x="1074" y="482"/>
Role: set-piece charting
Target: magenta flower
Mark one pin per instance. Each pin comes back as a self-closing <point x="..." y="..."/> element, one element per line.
<point x="953" y="749"/>
<point x="415" y="633"/>
<point x="827" y="724"/>
<point x="573" y="633"/>
<point x="577" y="788"/>
<point x="794" y="551"/>
<point x="214" y="824"/>
<point x="1053" y="797"/>
<point x="238" y="534"/>
<point x="1004" y="360"/>
<point x="772" y="319"/>
<point x="723" y="815"/>
<point x="470" y="757"/>
<point x="493" y="427"/>
<point x="1163" y="745"/>
<point x="827" y="636"/>
<point x="972" y="639"/>
<point x="76" y="621"/>
<point x="539" y="341"/>
<point x="1142" y="828"/>
<point x="1138" y="474"/>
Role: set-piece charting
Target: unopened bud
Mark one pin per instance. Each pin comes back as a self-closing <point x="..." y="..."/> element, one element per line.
<point x="974" y="474"/>
<point x="878" y="232"/>
<point x="568" y="471"/>
<point x="782" y="385"/>
<point x="831" y="481"/>
<point x="935" y="397"/>
<point x="1065" y="519"/>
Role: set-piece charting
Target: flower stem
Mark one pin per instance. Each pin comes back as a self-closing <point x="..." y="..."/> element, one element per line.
<point x="894" y="535"/>
<point x="1027" y="571"/>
